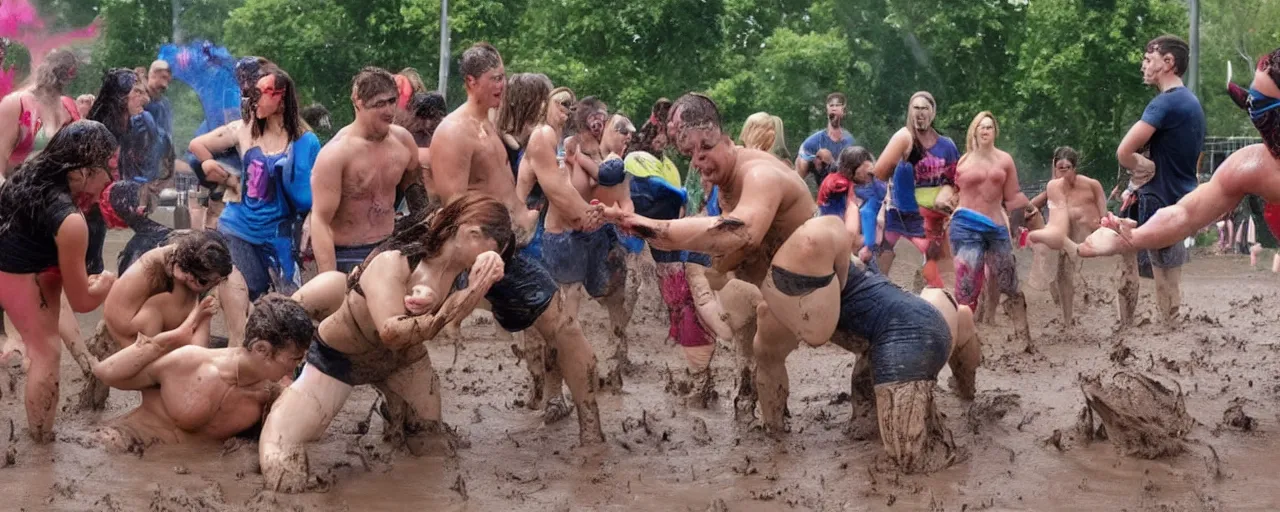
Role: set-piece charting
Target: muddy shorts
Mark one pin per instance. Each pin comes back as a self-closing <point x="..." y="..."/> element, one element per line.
<point x="686" y="328"/>
<point x="351" y="256"/>
<point x="329" y="361"/>
<point x="980" y="244"/>
<point x="364" y="368"/>
<point x="595" y="258"/>
<point x="909" y="339"/>
<point x="1175" y="255"/>
<point x="523" y="294"/>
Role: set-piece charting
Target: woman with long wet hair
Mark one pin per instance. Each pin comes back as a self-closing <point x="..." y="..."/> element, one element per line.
<point x="29" y="117"/>
<point x="43" y="240"/>
<point x="277" y="150"/>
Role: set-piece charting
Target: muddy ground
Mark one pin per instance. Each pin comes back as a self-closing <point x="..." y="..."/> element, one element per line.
<point x="1020" y="445"/>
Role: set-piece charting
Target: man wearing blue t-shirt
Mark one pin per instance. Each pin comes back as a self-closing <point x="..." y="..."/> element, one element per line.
<point x="820" y="151"/>
<point x="1173" y="128"/>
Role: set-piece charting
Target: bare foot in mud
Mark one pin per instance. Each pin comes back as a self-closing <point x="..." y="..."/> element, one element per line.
<point x="556" y="410"/>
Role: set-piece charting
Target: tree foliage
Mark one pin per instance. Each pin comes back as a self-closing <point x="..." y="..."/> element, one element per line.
<point x="1055" y="72"/>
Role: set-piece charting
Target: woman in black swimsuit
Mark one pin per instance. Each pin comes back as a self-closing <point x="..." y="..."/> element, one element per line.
<point x="43" y="240"/>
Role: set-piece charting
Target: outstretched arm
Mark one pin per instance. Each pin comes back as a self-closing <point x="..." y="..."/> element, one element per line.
<point x="138" y="365"/>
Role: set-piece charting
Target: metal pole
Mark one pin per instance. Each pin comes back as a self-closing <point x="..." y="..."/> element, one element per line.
<point x="1193" y="66"/>
<point x="176" y="10"/>
<point x="443" y="84"/>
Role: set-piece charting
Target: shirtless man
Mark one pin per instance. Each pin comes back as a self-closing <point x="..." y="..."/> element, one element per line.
<point x="1077" y="204"/>
<point x="357" y="175"/>
<point x="762" y="202"/>
<point x="469" y="155"/>
<point x="190" y="392"/>
<point x="908" y="338"/>
<point x="988" y="183"/>
<point x="158" y="292"/>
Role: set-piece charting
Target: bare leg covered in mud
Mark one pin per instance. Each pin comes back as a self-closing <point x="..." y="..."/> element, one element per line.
<point x="573" y="356"/>
<point x="32" y="303"/>
<point x="301" y="415"/>
<point x="323" y="294"/>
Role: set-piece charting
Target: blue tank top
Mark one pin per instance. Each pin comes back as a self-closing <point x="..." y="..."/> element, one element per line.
<point x="256" y="218"/>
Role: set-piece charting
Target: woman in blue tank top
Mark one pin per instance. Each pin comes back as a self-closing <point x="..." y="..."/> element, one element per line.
<point x="273" y="191"/>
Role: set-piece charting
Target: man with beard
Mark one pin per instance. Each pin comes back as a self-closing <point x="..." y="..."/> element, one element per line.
<point x="469" y="155"/>
<point x="819" y="152"/>
<point x="357" y="175"/>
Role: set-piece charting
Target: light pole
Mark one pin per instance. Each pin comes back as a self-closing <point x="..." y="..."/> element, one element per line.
<point x="1193" y="66"/>
<point x="443" y="84"/>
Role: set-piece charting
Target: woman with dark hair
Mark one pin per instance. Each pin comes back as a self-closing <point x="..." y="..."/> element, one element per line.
<point x="522" y="109"/>
<point x="143" y="143"/>
<point x="855" y="172"/>
<point x="29" y="117"/>
<point x="399" y="298"/>
<point x="43" y="240"/>
<point x="273" y="191"/>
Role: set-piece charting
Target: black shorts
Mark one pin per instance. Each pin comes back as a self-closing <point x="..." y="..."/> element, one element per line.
<point x="523" y="294"/>
<point x="1173" y="256"/>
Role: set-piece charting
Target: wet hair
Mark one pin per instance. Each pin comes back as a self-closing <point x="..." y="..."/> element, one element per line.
<point x="971" y="139"/>
<point x="111" y="106"/>
<point x="56" y="71"/>
<point x="280" y="321"/>
<point x="294" y="126"/>
<point x="582" y="112"/>
<point x="372" y="81"/>
<point x="656" y="125"/>
<point x="199" y="253"/>
<point x="917" y="148"/>
<point x="1172" y="45"/>
<point x="415" y="80"/>
<point x="836" y="97"/>
<point x="758" y="132"/>
<point x="42" y="179"/>
<point x="422" y="116"/>
<point x="248" y="70"/>
<point x="524" y="104"/>
<point x="122" y="207"/>
<point x="1271" y="64"/>
<point x="478" y="59"/>
<point x="1066" y="153"/>
<point x="851" y="158"/>
<point x="315" y="115"/>
<point x="698" y="111"/>
<point x="425" y="236"/>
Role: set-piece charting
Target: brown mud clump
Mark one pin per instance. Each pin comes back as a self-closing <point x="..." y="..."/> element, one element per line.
<point x="1235" y="417"/>
<point x="911" y="427"/>
<point x="1141" y="416"/>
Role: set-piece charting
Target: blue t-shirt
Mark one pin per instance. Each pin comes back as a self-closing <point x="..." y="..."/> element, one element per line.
<point x="819" y="141"/>
<point x="936" y="167"/>
<point x="142" y="148"/>
<point x="273" y="188"/>
<point x="162" y="110"/>
<point x="1175" y="146"/>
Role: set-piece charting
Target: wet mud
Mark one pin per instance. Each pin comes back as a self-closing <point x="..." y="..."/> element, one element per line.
<point x="1030" y="440"/>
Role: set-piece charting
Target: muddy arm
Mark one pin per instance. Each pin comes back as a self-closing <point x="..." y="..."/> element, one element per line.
<point x="384" y="286"/>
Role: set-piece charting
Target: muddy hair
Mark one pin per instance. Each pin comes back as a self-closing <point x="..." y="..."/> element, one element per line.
<point x="199" y="253"/>
<point x="43" y="179"/>
<point x="1271" y="64"/>
<point x="582" y="113"/>
<point x="247" y="72"/>
<point x="294" y="126"/>
<point x="850" y="159"/>
<point x="524" y="104"/>
<point x="971" y="138"/>
<point x="478" y="59"/>
<point x="111" y="106"/>
<point x="422" y="116"/>
<point x="425" y="235"/>
<point x="642" y="139"/>
<point x="1172" y="45"/>
<point x="917" y="148"/>
<point x="415" y="80"/>
<point x="372" y="81"/>
<point x="698" y="111"/>
<point x="57" y="70"/>
<point x="280" y="321"/>
<point x="1066" y="153"/>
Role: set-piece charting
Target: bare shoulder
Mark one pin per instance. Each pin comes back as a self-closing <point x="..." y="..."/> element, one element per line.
<point x="388" y="263"/>
<point x="183" y="361"/>
<point x="405" y="138"/>
<point x="1004" y="158"/>
<point x="542" y="136"/>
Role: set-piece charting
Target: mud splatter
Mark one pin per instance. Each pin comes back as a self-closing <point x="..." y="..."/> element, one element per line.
<point x="1142" y="417"/>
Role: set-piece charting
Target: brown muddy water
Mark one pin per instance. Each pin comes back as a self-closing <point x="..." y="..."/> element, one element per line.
<point x="1021" y="443"/>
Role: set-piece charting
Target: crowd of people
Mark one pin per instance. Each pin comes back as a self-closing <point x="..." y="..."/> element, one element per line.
<point x="522" y="200"/>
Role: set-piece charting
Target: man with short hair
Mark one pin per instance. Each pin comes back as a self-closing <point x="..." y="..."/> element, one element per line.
<point x="358" y="174"/>
<point x="818" y="153"/>
<point x="468" y="154"/>
<point x="1173" y="127"/>
<point x="158" y="78"/>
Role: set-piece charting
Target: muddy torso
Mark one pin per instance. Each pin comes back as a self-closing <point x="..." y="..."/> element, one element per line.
<point x="1082" y="207"/>
<point x="367" y="211"/>
<point x="796" y="207"/>
<point x="205" y="403"/>
<point x="981" y="180"/>
<point x="172" y="306"/>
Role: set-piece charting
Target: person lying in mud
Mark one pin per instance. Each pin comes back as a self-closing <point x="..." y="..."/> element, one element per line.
<point x="158" y="292"/>
<point x="193" y="393"/>
<point x="1254" y="169"/>
<point x="399" y="298"/>
<point x="761" y="202"/>
<point x="1078" y="203"/>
